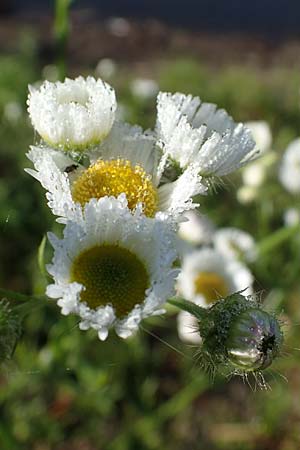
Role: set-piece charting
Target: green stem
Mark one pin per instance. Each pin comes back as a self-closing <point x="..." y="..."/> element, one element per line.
<point x="197" y="311"/>
<point x="61" y="33"/>
<point x="16" y="296"/>
<point x="276" y="239"/>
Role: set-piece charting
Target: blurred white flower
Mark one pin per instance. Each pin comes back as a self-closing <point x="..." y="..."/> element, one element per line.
<point x="197" y="229"/>
<point x="191" y="131"/>
<point x="113" y="268"/>
<point x="289" y="170"/>
<point x="106" y="68"/>
<point x="187" y="328"/>
<point x="121" y="112"/>
<point x="235" y="243"/>
<point x="208" y="275"/>
<point x="144" y="88"/>
<point x="261" y="133"/>
<point x="254" y="174"/>
<point x="13" y="112"/>
<point x="50" y="72"/>
<point x="291" y="217"/>
<point x="246" y="194"/>
<point x="72" y="115"/>
<point x="118" y="26"/>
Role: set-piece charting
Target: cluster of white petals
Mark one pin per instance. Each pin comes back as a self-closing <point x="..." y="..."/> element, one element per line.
<point x="167" y="167"/>
<point x="194" y="132"/>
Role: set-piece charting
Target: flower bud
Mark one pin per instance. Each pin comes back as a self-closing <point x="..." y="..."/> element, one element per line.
<point x="254" y="340"/>
<point x="238" y="333"/>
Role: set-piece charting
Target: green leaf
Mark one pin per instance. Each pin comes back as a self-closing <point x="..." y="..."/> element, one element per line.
<point x="41" y="257"/>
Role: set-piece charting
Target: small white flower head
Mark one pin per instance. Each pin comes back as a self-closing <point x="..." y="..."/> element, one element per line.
<point x="144" y="88"/>
<point x="289" y="170"/>
<point x="197" y="229"/>
<point x="291" y="217"/>
<point x="247" y="194"/>
<point x="187" y="328"/>
<point x="127" y="162"/>
<point x="106" y="68"/>
<point x="50" y="72"/>
<point x="208" y="275"/>
<point x="194" y="132"/>
<point x="119" y="26"/>
<point x="261" y="133"/>
<point x="254" y="175"/>
<point x="12" y="111"/>
<point x="113" y="268"/>
<point x="235" y="244"/>
<point x="72" y="115"/>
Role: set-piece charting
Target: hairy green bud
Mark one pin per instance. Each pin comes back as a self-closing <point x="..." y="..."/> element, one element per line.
<point x="10" y="330"/>
<point x="236" y="333"/>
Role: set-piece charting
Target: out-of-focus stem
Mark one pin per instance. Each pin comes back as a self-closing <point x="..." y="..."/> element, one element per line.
<point x="276" y="239"/>
<point x="16" y="296"/>
<point x="61" y="33"/>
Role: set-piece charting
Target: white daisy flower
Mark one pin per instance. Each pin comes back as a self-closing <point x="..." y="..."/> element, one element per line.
<point x="144" y="88"/>
<point x="291" y="217"/>
<point x="208" y="275"/>
<point x="72" y="115"/>
<point x="196" y="229"/>
<point x="191" y="131"/>
<point x="128" y="162"/>
<point x="113" y="268"/>
<point x="234" y="243"/>
<point x="289" y="170"/>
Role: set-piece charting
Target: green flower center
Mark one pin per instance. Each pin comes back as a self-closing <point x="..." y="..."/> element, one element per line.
<point x="111" y="275"/>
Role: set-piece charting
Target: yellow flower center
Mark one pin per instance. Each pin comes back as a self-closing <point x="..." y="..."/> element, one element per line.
<point x="211" y="285"/>
<point x="111" y="275"/>
<point x="113" y="178"/>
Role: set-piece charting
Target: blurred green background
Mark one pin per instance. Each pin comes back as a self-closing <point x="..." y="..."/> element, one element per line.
<point x="64" y="389"/>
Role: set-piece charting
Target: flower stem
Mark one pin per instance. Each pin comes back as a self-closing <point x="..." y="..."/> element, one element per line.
<point x="197" y="311"/>
<point x="61" y="32"/>
<point x="16" y="296"/>
<point x="276" y="239"/>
